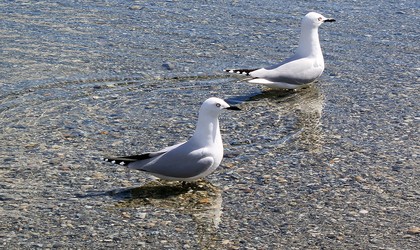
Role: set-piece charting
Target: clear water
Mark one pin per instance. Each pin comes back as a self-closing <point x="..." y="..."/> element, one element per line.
<point x="81" y="80"/>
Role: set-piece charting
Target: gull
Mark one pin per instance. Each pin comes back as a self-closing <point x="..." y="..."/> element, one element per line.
<point x="299" y="70"/>
<point x="190" y="160"/>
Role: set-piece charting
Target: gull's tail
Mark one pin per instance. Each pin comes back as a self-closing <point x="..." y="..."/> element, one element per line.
<point x="240" y="71"/>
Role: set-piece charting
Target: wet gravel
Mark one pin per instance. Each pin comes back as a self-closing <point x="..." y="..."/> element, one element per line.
<point x="333" y="166"/>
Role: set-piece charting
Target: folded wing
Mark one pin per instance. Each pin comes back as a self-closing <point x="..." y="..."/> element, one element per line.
<point x="179" y="162"/>
<point x="292" y="71"/>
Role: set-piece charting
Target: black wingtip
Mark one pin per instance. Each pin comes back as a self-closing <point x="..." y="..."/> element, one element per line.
<point x="115" y="161"/>
<point x="125" y="160"/>
<point x="240" y="71"/>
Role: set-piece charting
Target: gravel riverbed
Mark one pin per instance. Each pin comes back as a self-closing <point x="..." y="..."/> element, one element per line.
<point x="333" y="166"/>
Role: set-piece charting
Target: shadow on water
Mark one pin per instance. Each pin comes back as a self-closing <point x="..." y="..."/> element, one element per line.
<point x="200" y="200"/>
<point x="279" y="95"/>
<point x="151" y="191"/>
<point x="272" y="95"/>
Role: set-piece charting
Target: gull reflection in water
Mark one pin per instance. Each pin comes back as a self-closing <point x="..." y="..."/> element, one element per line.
<point x="298" y="111"/>
<point x="201" y="200"/>
<point x="309" y="107"/>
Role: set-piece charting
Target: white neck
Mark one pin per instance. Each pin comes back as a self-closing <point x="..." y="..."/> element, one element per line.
<point x="207" y="131"/>
<point x="309" y="42"/>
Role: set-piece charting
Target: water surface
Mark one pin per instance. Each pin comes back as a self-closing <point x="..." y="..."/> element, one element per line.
<point x="332" y="166"/>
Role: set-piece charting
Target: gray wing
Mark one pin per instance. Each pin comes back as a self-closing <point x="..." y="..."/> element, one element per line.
<point x="180" y="162"/>
<point x="293" y="70"/>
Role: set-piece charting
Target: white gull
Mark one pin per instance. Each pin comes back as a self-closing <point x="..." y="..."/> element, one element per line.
<point x="299" y="70"/>
<point x="187" y="161"/>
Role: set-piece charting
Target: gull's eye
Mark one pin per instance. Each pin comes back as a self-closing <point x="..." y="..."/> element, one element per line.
<point x="320" y="19"/>
<point x="218" y="105"/>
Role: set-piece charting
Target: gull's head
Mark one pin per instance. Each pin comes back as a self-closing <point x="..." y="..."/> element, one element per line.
<point x="314" y="20"/>
<point x="214" y="106"/>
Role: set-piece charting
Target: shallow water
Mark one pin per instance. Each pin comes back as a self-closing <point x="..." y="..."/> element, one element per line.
<point x="83" y="80"/>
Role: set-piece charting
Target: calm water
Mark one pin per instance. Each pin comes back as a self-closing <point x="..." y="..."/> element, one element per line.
<point x="81" y="79"/>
